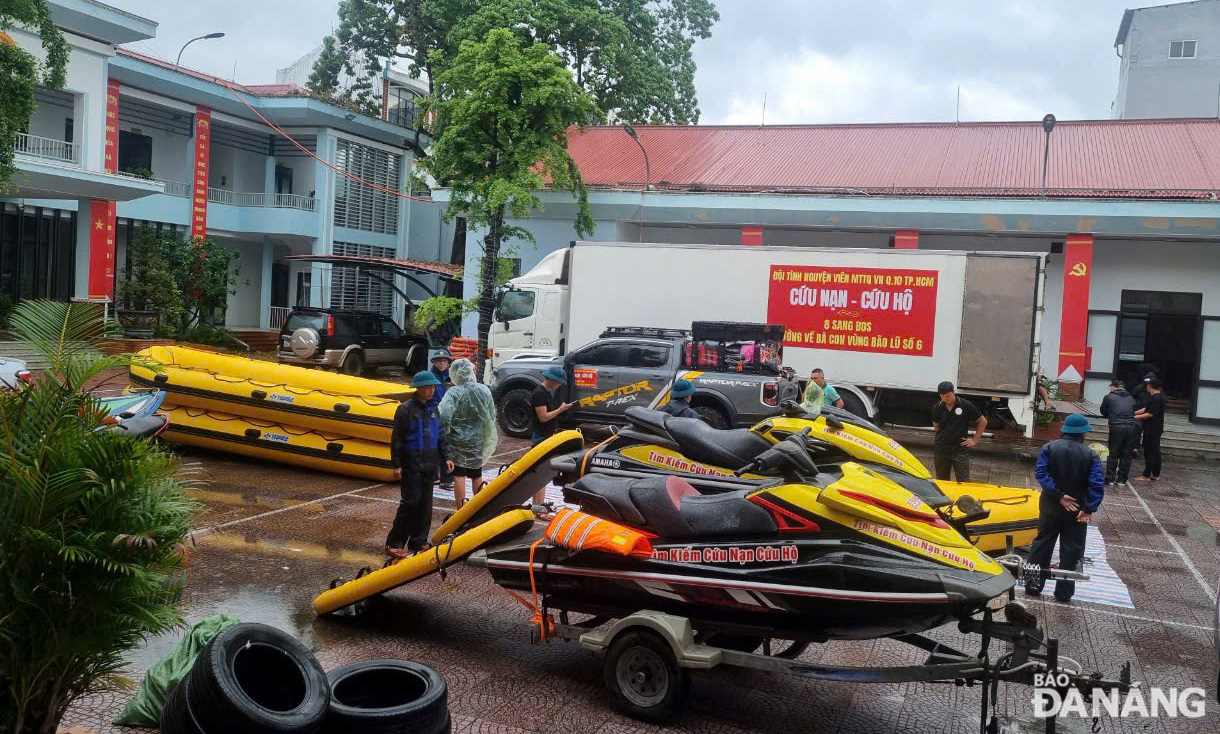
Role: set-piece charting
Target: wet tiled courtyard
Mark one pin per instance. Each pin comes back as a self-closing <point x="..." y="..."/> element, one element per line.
<point x="271" y="537"/>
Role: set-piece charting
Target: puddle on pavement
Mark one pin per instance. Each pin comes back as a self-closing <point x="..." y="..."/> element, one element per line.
<point x="248" y="604"/>
<point x="252" y="543"/>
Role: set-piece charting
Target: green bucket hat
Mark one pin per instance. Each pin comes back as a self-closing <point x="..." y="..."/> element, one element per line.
<point x="682" y="389"/>
<point x="425" y="379"/>
<point x="1076" y="423"/>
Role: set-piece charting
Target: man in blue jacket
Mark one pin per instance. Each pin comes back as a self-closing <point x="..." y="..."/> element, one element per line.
<point x="418" y="450"/>
<point x="1073" y="484"/>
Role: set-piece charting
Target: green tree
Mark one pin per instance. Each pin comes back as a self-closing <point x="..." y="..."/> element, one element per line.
<point x="632" y="56"/>
<point x="504" y="109"/>
<point x="93" y="527"/>
<point x="187" y="282"/>
<point x="20" y="72"/>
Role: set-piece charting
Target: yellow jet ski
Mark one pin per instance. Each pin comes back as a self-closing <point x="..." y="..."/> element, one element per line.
<point x="707" y="458"/>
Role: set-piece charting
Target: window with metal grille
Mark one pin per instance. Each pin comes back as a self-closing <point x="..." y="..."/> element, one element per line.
<point x="354" y="290"/>
<point x="358" y="206"/>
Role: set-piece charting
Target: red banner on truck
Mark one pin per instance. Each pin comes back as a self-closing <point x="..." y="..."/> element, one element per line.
<point x="883" y="310"/>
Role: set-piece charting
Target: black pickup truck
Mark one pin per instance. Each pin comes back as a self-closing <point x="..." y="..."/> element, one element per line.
<point x="734" y="368"/>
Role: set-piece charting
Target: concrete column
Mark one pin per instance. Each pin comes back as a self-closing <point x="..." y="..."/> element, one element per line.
<point x="264" y="293"/>
<point x="84" y="228"/>
<point x="1074" y="318"/>
<point x="269" y="176"/>
<point x="906" y="239"/>
<point x="324" y="183"/>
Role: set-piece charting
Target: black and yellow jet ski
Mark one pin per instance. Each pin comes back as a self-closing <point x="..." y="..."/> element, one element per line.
<point x="709" y="459"/>
<point x="811" y="556"/>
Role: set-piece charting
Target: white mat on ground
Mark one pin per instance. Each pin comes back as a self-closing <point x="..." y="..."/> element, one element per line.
<point x="1104" y="586"/>
<point x="554" y="494"/>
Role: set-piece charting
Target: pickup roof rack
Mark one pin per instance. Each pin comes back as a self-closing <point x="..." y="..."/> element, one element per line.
<point x="645" y="332"/>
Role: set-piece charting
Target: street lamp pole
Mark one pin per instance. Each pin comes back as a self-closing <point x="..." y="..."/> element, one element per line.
<point x="647" y="168"/>
<point x="647" y="176"/>
<point x="1048" y="124"/>
<point x="198" y="38"/>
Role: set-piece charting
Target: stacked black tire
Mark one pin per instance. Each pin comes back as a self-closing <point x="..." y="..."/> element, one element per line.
<point x="256" y="679"/>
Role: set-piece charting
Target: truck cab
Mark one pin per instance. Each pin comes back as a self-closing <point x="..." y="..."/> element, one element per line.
<point x="530" y="312"/>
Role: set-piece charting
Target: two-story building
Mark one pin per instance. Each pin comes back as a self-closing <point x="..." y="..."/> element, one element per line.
<point x="268" y="171"/>
<point x="1169" y="61"/>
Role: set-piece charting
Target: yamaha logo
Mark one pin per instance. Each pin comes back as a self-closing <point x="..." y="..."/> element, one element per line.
<point x="612" y="463"/>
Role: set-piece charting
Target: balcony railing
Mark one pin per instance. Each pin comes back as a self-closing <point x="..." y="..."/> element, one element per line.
<point x="237" y="198"/>
<point x="279" y="314"/>
<point x="37" y="146"/>
<point x="275" y="201"/>
<point x="177" y="188"/>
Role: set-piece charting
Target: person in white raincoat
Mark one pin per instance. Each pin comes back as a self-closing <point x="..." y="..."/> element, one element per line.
<point x="468" y="415"/>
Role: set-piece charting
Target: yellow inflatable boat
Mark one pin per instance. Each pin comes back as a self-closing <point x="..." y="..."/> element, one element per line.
<point x="514" y="485"/>
<point x="1014" y="511"/>
<point x="294" y="445"/>
<point x="267" y="391"/>
<point x="501" y="527"/>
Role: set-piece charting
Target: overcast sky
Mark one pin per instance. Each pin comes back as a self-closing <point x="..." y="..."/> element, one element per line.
<point x="816" y="60"/>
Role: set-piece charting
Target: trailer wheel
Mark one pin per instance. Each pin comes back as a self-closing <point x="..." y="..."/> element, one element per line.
<point x="644" y="678"/>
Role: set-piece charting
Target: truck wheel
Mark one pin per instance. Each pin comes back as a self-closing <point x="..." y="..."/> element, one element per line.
<point x="353" y="364"/>
<point x="644" y="678"/>
<point x="712" y="416"/>
<point x="853" y="404"/>
<point x="514" y="410"/>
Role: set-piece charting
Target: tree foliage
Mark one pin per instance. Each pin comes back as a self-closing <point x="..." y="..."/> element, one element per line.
<point x="93" y="525"/>
<point x="632" y="56"/>
<point x="187" y="282"/>
<point x="503" y="109"/>
<point x="21" y="73"/>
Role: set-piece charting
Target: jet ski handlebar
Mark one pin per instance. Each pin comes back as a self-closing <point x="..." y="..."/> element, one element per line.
<point x="789" y="455"/>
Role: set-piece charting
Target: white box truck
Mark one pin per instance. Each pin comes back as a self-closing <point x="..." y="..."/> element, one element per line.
<point x="887" y="326"/>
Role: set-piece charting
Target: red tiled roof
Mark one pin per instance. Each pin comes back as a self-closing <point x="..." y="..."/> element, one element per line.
<point x="1102" y="159"/>
<point x="256" y="90"/>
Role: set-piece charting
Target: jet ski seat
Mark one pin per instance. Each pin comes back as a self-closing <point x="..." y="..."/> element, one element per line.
<point x="731" y="448"/>
<point x="670" y="507"/>
<point x="647" y="419"/>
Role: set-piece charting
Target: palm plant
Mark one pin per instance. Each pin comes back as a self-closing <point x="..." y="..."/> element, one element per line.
<point x="93" y="528"/>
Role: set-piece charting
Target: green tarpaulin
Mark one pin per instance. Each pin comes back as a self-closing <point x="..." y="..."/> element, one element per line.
<point x="145" y="708"/>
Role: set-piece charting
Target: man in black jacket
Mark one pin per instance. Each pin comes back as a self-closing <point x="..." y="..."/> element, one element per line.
<point x="679" y="400"/>
<point x="418" y="449"/>
<point x="1119" y="409"/>
<point x="1073" y="486"/>
<point x="1152" y="417"/>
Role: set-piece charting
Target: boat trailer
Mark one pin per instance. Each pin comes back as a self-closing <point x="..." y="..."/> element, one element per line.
<point x="648" y="656"/>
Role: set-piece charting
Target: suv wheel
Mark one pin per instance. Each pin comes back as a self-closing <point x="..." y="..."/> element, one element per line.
<point x="353" y="363"/>
<point x="714" y="417"/>
<point x="514" y="410"/>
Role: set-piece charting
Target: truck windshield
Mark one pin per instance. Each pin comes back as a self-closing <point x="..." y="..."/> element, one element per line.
<point x="516" y="305"/>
